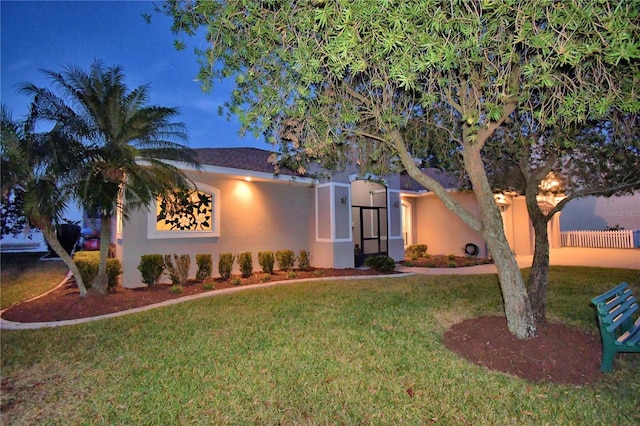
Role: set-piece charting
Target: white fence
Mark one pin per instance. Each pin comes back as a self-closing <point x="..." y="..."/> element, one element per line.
<point x="601" y="239"/>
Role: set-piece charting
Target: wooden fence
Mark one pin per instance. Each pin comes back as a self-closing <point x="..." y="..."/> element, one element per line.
<point x="600" y="239"/>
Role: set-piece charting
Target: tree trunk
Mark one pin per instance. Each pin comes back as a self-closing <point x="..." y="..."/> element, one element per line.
<point x="101" y="281"/>
<point x="517" y="306"/>
<point x="540" y="266"/>
<point x="539" y="273"/>
<point x="54" y="243"/>
<point x="516" y="300"/>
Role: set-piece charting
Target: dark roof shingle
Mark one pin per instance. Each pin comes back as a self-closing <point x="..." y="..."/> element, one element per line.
<point x="252" y="159"/>
<point x="448" y="180"/>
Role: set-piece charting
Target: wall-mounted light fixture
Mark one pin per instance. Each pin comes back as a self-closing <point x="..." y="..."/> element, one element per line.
<point x="343" y="201"/>
<point x="396" y="204"/>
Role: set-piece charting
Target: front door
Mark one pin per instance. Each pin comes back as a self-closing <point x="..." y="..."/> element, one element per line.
<point x="372" y="231"/>
<point x="370" y="219"/>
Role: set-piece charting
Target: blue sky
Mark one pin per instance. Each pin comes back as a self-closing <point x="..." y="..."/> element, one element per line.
<point x="53" y="34"/>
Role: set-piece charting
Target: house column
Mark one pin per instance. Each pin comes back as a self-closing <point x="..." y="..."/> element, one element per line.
<point x="395" y="240"/>
<point x="333" y="247"/>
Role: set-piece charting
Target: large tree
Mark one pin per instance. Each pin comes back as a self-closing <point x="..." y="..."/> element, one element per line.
<point x="37" y="182"/>
<point x="128" y="145"/>
<point x="595" y="158"/>
<point x="333" y="76"/>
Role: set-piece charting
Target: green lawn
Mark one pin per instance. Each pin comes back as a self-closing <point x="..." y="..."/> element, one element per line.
<point x="24" y="276"/>
<point x="341" y="352"/>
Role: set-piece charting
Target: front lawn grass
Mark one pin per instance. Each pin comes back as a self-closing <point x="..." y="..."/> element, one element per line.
<point x="339" y="352"/>
<point x="24" y="275"/>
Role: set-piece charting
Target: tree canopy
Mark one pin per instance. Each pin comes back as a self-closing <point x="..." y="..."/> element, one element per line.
<point x="120" y="147"/>
<point x="328" y="78"/>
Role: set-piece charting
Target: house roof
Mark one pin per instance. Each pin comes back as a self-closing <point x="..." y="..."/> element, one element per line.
<point x="258" y="160"/>
<point x="447" y="180"/>
<point x="251" y="159"/>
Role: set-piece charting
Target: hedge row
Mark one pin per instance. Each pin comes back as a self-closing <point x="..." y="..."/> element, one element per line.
<point x="153" y="267"/>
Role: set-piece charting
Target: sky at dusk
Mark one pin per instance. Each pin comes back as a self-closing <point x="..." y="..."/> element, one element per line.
<point x="50" y="35"/>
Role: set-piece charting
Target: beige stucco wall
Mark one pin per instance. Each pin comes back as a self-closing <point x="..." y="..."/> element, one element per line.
<point x="521" y="234"/>
<point x="445" y="233"/>
<point x="519" y="227"/>
<point x="255" y="216"/>
<point x="441" y="230"/>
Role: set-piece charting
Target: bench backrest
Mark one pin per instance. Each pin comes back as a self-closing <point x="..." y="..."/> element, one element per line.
<point x="615" y="308"/>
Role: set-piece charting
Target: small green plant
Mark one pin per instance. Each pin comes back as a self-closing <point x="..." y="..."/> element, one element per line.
<point x="430" y="264"/>
<point x="286" y="259"/>
<point x="304" y="260"/>
<point x="205" y="267"/>
<point x="245" y="262"/>
<point x="452" y="265"/>
<point x="209" y="285"/>
<point x="408" y="263"/>
<point x="415" y="251"/>
<point x="380" y="263"/>
<point x="318" y="272"/>
<point x="266" y="261"/>
<point x="451" y="256"/>
<point x="178" y="268"/>
<point x="265" y="278"/>
<point x="225" y="265"/>
<point x="151" y="267"/>
<point x="176" y="289"/>
<point x="291" y="275"/>
<point x="235" y="281"/>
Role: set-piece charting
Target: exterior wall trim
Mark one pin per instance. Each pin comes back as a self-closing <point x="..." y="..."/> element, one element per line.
<point x="389" y="207"/>
<point x="332" y="209"/>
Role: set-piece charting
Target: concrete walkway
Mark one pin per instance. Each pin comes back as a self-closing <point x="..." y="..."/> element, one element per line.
<point x="611" y="258"/>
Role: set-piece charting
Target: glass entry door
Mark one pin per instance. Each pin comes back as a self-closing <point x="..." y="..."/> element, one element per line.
<point x="370" y="230"/>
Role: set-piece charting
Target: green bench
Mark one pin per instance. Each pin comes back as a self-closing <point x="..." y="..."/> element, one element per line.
<point x="619" y="332"/>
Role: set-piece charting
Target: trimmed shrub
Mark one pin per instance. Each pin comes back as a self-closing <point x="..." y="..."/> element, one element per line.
<point x="285" y="259"/>
<point x="266" y="261"/>
<point x="304" y="261"/>
<point x="380" y="263"/>
<point x="417" y="250"/>
<point x="245" y="262"/>
<point x="88" y="263"/>
<point x="151" y="267"/>
<point x="178" y="269"/>
<point x="205" y="267"/>
<point x="225" y="265"/>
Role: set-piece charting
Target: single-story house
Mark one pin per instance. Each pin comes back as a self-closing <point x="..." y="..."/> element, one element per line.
<point x="340" y="218"/>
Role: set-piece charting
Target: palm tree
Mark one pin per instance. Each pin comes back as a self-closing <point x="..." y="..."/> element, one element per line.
<point x="37" y="182"/>
<point x="127" y="145"/>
